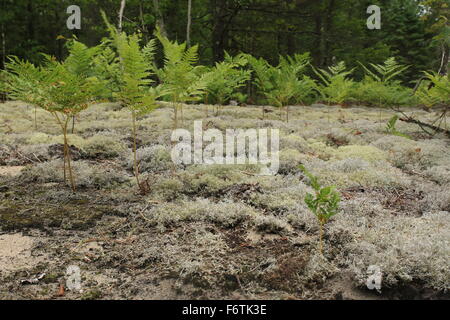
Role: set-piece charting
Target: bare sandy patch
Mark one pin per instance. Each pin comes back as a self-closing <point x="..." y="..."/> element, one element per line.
<point x="15" y="252"/>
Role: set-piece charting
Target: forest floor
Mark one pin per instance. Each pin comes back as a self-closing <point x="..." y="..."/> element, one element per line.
<point x="222" y="231"/>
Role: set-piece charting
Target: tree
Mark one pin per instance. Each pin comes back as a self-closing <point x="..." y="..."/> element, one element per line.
<point x="406" y="34"/>
<point x="324" y="203"/>
<point x="159" y="18"/>
<point x="436" y="16"/>
<point x="121" y="10"/>
<point x="188" y="28"/>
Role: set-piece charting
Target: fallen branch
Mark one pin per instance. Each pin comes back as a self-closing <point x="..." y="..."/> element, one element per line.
<point x="423" y="125"/>
<point x="426" y="125"/>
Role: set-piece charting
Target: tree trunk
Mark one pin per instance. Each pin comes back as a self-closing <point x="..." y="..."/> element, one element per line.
<point x="328" y="26"/>
<point x="159" y="19"/>
<point x="122" y="8"/>
<point x="30" y="18"/>
<point x="219" y="35"/>
<point x="188" y="29"/>
<point x="317" y="53"/>
<point x="141" y="17"/>
<point x="3" y="47"/>
<point x="3" y="60"/>
<point x="443" y="69"/>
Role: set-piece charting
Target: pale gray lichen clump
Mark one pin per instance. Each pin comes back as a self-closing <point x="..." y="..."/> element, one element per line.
<point x="204" y="225"/>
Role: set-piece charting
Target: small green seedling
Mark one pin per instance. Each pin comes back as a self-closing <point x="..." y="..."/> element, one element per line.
<point x="324" y="204"/>
<point x="390" y="128"/>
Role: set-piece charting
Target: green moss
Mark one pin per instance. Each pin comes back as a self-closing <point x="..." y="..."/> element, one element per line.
<point x="368" y="153"/>
<point x="39" y="138"/>
<point x="168" y="189"/>
<point x="372" y="176"/>
<point x="100" y="146"/>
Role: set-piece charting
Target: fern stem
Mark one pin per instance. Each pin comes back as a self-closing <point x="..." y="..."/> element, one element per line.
<point x="136" y="168"/>
<point x="66" y="146"/>
<point x="321" y="238"/>
<point x="35" y="118"/>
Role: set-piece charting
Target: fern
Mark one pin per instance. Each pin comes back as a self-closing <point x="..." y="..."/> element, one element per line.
<point x="380" y="88"/>
<point x="391" y="128"/>
<point x="180" y="77"/>
<point x="225" y="78"/>
<point x="381" y="94"/>
<point x="335" y="87"/>
<point x="281" y="84"/>
<point x="438" y="94"/>
<point x="107" y="68"/>
<point x="384" y="72"/>
<point x="133" y="88"/>
<point x="57" y="87"/>
<point x="80" y="59"/>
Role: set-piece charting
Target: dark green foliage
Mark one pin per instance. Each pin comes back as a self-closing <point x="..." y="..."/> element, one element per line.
<point x="405" y="31"/>
<point x="330" y="30"/>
